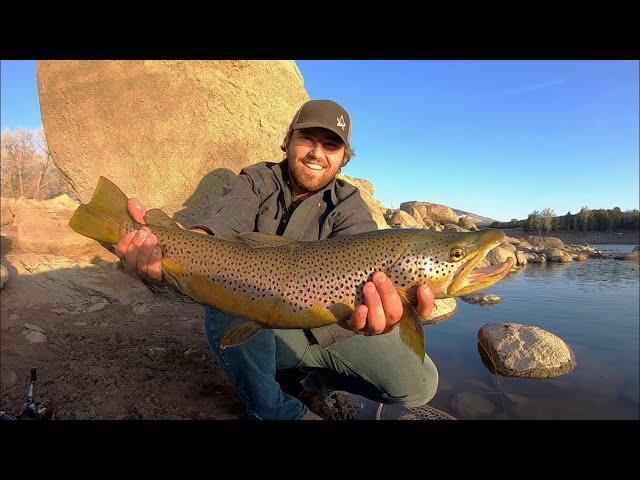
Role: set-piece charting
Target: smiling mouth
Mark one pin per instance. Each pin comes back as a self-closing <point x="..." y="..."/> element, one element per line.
<point x="313" y="166"/>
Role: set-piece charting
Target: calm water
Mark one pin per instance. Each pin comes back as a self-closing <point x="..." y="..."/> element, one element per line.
<point x="591" y="305"/>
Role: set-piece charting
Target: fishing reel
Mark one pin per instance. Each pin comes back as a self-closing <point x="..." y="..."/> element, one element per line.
<point x="30" y="409"/>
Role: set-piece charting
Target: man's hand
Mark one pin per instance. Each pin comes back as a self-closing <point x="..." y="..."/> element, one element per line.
<point x="140" y="248"/>
<point x="382" y="308"/>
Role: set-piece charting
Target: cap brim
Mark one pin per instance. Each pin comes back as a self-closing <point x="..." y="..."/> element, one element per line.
<point x="336" y="130"/>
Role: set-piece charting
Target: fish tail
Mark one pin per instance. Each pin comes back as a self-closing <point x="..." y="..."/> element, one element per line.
<point x="411" y="331"/>
<point x="103" y="217"/>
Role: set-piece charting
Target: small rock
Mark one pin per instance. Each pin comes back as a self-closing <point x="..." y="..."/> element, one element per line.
<point x="488" y="299"/>
<point x="4" y="276"/>
<point x="156" y="352"/>
<point x="97" y="299"/>
<point x="14" y="317"/>
<point x="96" y="307"/>
<point x="191" y="352"/>
<point x="141" y="309"/>
<point x="633" y="256"/>
<point x="31" y="326"/>
<point x="34" y="336"/>
<point x="524" y="351"/>
<point x="469" y="405"/>
<point x="60" y="311"/>
<point x="80" y="324"/>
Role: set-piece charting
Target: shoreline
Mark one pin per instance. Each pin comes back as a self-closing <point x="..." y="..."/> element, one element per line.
<point x="592" y="238"/>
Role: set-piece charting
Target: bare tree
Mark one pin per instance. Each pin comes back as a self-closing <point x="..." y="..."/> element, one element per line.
<point x="27" y="168"/>
<point x="547" y="219"/>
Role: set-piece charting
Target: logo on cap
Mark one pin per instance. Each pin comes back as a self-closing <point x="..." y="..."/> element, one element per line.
<point x="341" y="122"/>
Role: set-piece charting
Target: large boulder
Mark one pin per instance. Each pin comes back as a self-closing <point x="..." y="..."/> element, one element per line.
<point x="521" y="257"/>
<point x="438" y="213"/>
<point x="558" y="255"/>
<point x="467" y="222"/>
<point x="524" y="351"/>
<point x="500" y="254"/>
<point x="452" y="227"/>
<point x="402" y="219"/>
<point x="546" y="242"/>
<point x="42" y="226"/>
<point x="169" y="132"/>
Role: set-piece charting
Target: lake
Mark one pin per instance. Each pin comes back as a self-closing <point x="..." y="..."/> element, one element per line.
<point x="592" y="305"/>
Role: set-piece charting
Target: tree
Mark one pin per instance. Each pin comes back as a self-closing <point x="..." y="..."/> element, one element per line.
<point x="535" y="222"/>
<point x="568" y="221"/>
<point x="27" y="168"/>
<point x="547" y="219"/>
<point x="585" y="216"/>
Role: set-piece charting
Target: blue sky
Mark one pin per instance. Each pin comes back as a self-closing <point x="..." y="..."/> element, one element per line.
<point x="497" y="138"/>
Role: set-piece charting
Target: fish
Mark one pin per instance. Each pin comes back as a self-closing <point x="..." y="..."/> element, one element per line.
<point x="280" y="283"/>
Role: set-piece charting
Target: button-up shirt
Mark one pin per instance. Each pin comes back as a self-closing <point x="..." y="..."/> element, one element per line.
<point x="259" y="199"/>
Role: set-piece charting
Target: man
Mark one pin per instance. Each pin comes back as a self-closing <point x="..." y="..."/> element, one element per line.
<point x="301" y="198"/>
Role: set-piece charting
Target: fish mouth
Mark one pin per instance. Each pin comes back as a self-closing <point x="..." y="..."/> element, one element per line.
<point x="470" y="279"/>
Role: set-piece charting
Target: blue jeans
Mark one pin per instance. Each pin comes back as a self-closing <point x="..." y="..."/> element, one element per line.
<point x="377" y="367"/>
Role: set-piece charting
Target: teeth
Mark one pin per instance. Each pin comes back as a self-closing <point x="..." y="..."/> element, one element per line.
<point x="313" y="166"/>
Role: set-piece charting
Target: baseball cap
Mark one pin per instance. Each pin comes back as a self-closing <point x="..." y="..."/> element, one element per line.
<point x="324" y="114"/>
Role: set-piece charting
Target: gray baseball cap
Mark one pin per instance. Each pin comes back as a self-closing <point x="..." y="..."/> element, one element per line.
<point x="324" y="114"/>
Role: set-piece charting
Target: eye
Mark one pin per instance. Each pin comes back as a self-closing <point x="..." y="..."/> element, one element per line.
<point x="456" y="254"/>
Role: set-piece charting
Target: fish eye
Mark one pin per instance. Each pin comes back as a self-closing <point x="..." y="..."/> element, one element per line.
<point x="456" y="254"/>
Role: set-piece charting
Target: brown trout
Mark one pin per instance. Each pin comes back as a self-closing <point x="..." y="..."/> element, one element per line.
<point x="276" y="282"/>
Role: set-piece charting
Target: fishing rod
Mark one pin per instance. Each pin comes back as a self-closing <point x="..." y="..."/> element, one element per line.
<point x="30" y="409"/>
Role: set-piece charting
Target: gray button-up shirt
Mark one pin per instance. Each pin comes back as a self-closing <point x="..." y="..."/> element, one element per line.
<point x="259" y="197"/>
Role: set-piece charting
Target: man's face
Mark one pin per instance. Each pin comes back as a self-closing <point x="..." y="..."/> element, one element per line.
<point x="315" y="156"/>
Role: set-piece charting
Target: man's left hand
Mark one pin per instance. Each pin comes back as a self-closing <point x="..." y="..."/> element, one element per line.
<point x="382" y="308"/>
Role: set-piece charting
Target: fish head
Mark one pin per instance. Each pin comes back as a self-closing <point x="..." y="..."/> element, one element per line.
<point x="450" y="258"/>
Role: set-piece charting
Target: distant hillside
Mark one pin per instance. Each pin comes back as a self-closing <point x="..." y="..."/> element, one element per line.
<point x="480" y="221"/>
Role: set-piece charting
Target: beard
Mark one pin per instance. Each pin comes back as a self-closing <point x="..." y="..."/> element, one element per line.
<point x="310" y="181"/>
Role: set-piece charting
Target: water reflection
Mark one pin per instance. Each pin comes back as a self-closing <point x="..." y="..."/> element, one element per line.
<point x="592" y="305"/>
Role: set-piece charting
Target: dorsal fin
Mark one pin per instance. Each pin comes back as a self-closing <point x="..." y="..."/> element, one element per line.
<point x="155" y="216"/>
<point x="262" y="240"/>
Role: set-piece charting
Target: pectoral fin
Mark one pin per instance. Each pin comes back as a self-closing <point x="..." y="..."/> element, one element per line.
<point x="411" y="332"/>
<point x="240" y="334"/>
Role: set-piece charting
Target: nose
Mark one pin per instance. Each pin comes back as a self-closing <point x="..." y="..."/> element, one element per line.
<point x="316" y="150"/>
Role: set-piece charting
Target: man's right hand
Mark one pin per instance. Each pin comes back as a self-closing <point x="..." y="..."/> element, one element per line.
<point x="139" y="248"/>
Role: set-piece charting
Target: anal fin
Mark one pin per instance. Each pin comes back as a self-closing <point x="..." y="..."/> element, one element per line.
<point x="240" y="334"/>
<point x="411" y="331"/>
